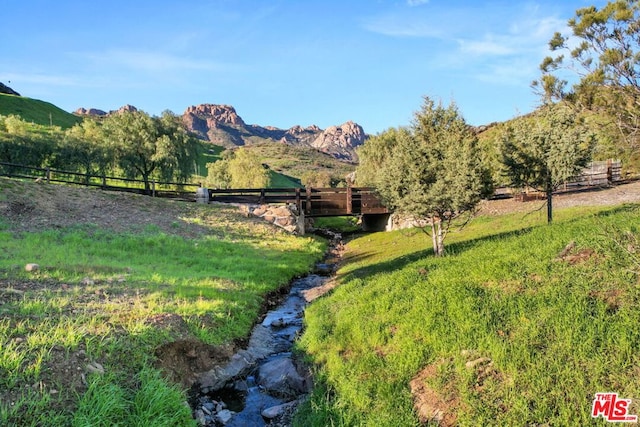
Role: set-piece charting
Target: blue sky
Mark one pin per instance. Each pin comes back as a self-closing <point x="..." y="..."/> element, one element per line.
<point x="283" y="62"/>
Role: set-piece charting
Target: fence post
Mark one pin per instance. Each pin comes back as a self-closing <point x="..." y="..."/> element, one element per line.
<point x="153" y="188"/>
<point x="261" y="201"/>
<point x="349" y="200"/>
<point x="104" y="181"/>
<point x="298" y="201"/>
<point x="48" y="172"/>
<point x="308" y="206"/>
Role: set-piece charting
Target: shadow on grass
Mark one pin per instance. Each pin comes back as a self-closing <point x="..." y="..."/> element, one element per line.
<point x="457" y="248"/>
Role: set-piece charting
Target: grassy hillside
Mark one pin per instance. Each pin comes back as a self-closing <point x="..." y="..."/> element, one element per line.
<point x="502" y="331"/>
<point x="127" y="288"/>
<point x="36" y="111"/>
<point x="296" y="161"/>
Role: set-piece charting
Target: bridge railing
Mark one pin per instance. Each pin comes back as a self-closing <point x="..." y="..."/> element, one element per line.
<point x="311" y="201"/>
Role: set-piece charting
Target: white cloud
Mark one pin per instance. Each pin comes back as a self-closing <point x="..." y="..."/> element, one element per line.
<point x="413" y="3"/>
<point x="397" y="25"/>
<point x="487" y="47"/>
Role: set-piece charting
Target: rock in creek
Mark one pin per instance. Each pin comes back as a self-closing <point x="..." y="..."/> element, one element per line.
<point x="280" y="377"/>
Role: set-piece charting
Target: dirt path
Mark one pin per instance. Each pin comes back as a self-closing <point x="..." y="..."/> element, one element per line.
<point x="625" y="193"/>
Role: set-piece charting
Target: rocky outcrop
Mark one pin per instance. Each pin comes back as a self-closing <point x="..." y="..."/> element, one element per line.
<point x="93" y="112"/>
<point x="341" y="141"/>
<point x="6" y="89"/>
<point x="224" y="114"/>
<point x="286" y="217"/>
<point x="125" y="109"/>
<point x="222" y="125"/>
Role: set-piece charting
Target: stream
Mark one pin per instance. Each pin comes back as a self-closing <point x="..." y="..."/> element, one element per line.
<point x="262" y="384"/>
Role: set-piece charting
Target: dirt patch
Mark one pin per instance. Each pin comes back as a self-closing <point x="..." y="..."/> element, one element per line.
<point x="183" y="360"/>
<point x="429" y="403"/>
<point x="615" y="195"/>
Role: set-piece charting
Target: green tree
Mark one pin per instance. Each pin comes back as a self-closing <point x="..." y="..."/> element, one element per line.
<point x="218" y="174"/>
<point x="26" y="143"/>
<point x="150" y="147"/>
<point x="374" y="153"/>
<point x="546" y="150"/>
<point x="431" y="170"/>
<point x="317" y="179"/>
<point x="246" y="170"/>
<point x="82" y="150"/>
<point x="604" y="54"/>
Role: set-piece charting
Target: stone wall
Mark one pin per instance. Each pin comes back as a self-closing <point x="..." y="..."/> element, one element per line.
<point x="287" y="217"/>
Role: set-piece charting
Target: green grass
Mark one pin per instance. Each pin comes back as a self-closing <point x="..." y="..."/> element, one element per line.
<point x="342" y="224"/>
<point x="557" y="332"/>
<point x="98" y="295"/>
<point x="36" y="111"/>
<point x="280" y="180"/>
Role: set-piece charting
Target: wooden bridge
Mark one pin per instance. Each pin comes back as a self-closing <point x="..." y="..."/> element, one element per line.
<point x="313" y="202"/>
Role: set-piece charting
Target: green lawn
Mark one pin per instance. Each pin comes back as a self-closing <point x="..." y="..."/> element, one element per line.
<point x="556" y="331"/>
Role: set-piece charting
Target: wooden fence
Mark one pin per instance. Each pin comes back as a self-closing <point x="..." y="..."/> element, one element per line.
<point x="158" y="188"/>
<point x="313" y="202"/>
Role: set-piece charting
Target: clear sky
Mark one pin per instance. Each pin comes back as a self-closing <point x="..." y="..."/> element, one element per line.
<point x="283" y="62"/>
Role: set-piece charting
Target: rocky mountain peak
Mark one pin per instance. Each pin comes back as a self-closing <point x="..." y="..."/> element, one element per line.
<point x="341" y="141"/>
<point x="218" y="113"/>
<point x="95" y="112"/>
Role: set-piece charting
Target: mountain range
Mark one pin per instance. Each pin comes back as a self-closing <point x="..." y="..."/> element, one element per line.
<point x="221" y="125"/>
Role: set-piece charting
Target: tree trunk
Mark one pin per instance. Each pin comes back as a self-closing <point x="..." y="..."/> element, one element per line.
<point x="549" y="206"/>
<point x="437" y="237"/>
<point x="147" y="184"/>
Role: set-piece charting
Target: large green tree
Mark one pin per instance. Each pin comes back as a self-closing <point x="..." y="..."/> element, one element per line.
<point x="545" y="150"/>
<point x="238" y="169"/>
<point x="27" y="144"/>
<point x="602" y="58"/>
<point x="82" y="150"/>
<point x="150" y="147"/>
<point x="431" y="170"/>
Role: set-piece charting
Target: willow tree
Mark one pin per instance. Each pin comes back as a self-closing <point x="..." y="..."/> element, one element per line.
<point x="431" y="170"/>
<point x="150" y="147"/>
<point x="545" y="150"/>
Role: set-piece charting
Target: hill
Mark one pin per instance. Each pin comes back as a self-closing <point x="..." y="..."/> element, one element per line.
<point x="521" y="324"/>
<point x="36" y="111"/>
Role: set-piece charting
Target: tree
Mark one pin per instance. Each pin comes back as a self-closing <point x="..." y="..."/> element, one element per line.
<point x="82" y="150"/>
<point x="318" y="179"/>
<point x="374" y="153"/>
<point x="604" y="51"/>
<point x="218" y="175"/>
<point x="241" y="169"/>
<point x="26" y="143"/>
<point x="431" y="170"/>
<point x="148" y="147"/>
<point x="546" y="150"/>
<point x="246" y="170"/>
